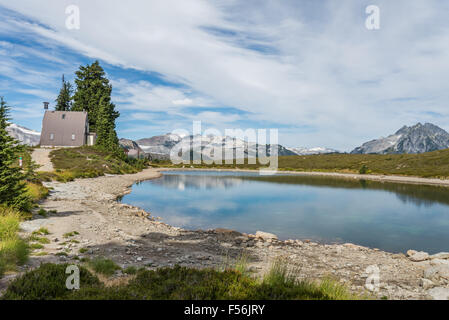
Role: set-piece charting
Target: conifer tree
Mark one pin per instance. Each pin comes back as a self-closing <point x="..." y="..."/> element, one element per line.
<point x="106" y="135"/>
<point x="91" y="86"/>
<point x="12" y="185"/>
<point x="64" y="100"/>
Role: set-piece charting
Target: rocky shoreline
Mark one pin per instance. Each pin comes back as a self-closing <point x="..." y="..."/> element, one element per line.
<point x="130" y="236"/>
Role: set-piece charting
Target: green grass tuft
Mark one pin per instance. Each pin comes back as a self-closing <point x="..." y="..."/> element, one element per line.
<point x="104" y="266"/>
<point x="41" y="231"/>
<point x="13" y="250"/>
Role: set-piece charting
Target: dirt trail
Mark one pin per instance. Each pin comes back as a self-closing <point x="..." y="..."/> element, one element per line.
<point x="131" y="236"/>
<point x="42" y="157"/>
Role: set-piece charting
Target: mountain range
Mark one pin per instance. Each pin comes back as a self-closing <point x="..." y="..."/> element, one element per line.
<point x="24" y="135"/>
<point x="415" y="139"/>
<point x="160" y="146"/>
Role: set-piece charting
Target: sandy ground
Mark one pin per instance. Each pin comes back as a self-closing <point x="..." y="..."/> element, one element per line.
<point x="131" y="236"/>
<point x="41" y="157"/>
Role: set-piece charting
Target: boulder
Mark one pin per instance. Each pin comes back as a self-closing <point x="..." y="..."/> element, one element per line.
<point x="266" y="235"/>
<point x="228" y="232"/>
<point x="439" y="293"/>
<point x="437" y="262"/>
<point x="441" y="255"/>
<point x="411" y="253"/>
<point x="419" y="256"/>
<point x="437" y="272"/>
<point x="426" y="283"/>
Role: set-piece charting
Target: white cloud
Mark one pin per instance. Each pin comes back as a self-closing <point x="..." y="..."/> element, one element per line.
<point x="322" y="69"/>
<point x="183" y="102"/>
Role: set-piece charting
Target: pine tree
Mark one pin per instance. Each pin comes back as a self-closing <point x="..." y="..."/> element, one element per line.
<point x="64" y="100"/>
<point x="92" y="85"/>
<point x="106" y="135"/>
<point x="12" y="186"/>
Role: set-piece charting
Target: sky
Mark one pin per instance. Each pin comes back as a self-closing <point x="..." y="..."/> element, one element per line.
<point x="309" y="68"/>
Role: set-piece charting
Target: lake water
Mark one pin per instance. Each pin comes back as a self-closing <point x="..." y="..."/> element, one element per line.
<point x="388" y="216"/>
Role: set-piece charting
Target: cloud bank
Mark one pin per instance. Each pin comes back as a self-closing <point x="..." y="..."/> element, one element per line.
<point x="310" y="68"/>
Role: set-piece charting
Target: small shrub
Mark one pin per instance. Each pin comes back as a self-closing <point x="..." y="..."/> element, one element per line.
<point x="83" y="250"/>
<point x="104" y="266"/>
<point x="130" y="270"/>
<point x="180" y="283"/>
<point x="46" y="282"/>
<point x="363" y="169"/>
<point x="42" y="212"/>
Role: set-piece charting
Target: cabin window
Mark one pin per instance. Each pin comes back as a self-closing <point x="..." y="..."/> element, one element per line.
<point x="52" y="136"/>
<point x="73" y="137"/>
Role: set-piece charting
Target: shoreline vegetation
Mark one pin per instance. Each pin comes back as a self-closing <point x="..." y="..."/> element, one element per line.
<point x="433" y="165"/>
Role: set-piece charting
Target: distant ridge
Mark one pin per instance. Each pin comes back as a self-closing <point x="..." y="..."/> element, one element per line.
<point x="160" y="146"/>
<point x="24" y="135"/>
<point x="415" y="139"/>
<point x="311" y="151"/>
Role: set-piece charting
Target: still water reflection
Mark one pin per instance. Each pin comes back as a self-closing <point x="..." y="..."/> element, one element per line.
<point x="392" y="217"/>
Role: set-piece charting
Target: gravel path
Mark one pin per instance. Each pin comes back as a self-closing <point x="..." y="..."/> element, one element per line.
<point x="41" y="157"/>
<point x="131" y="236"/>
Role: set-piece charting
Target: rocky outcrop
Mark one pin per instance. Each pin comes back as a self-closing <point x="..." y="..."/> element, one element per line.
<point x="415" y="139"/>
<point x="133" y="149"/>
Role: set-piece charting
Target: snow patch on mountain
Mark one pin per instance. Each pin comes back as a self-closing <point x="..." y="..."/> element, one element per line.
<point x="24" y="135"/>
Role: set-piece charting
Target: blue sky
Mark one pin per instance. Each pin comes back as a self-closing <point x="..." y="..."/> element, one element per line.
<point x="309" y="68"/>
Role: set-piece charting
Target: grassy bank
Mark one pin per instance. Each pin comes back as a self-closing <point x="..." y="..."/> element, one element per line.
<point x="13" y="250"/>
<point x="88" y="162"/>
<point x="179" y="283"/>
<point x="429" y="165"/>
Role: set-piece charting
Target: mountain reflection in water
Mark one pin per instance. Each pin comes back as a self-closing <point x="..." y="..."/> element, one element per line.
<point x="389" y="216"/>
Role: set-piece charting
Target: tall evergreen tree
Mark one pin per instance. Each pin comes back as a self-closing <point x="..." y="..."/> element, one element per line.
<point x="64" y="100"/>
<point x="106" y="135"/>
<point x="92" y="85"/>
<point x="12" y="186"/>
